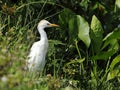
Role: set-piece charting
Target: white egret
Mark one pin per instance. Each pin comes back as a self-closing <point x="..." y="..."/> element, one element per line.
<point x="36" y="58"/>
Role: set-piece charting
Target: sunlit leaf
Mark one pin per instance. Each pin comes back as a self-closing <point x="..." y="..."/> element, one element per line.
<point x="113" y="35"/>
<point x="113" y="43"/>
<point x="78" y="27"/>
<point x="114" y="68"/>
<point x="112" y="39"/>
<point x="117" y="6"/>
<point x="96" y="34"/>
<point x="83" y="30"/>
<point x="112" y="74"/>
<point x="115" y="62"/>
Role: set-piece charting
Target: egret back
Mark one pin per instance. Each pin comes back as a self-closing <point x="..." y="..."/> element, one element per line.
<point x="36" y="58"/>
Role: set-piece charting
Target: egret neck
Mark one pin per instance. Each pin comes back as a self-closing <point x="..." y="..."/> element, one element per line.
<point x="43" y="35"/>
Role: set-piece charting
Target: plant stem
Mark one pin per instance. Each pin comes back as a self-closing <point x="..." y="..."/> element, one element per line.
<point x="77" y="48"/>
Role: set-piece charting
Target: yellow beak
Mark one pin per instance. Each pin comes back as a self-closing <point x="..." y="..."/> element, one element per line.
<point x="53" y="25"/>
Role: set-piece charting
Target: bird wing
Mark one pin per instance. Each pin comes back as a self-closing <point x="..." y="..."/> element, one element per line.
<point x="36" y="57"/>
<point x="32" y="55"/>
<point x="32" y="51"/>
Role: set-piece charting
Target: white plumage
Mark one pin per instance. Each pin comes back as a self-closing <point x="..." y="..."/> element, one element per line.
<point x="36" y="58"/>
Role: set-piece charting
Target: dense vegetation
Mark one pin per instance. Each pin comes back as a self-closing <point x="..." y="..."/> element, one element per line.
<point x="84" y="53"/>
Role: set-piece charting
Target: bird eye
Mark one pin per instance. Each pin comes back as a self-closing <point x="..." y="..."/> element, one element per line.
<point x="47" y="23"/>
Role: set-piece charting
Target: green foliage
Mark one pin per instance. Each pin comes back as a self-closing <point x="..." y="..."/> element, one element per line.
<point x="117" y="6"/>
<point x="83" y="52"/>
<point x="73" y="29"/>
<point x="114" y="68"/>
<point x="78" y="27"/>
<point x="96" y="34"/>
<point x="83" y="28"/>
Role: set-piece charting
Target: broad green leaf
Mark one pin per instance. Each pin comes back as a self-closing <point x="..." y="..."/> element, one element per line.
<point x="112" y="74"/>
<point x="115" y="61"/>
<point x="83" y="30"/>
<point x="112" y="39"/>
<point x="114" y="68"/>
<point x="104" y="55"/>
<point x="113" y="44"/>
<point x="96" y="34"/>
<point x="78" y="27"/>
<point x="117" y="6"/>
<point x="113" y="35"/>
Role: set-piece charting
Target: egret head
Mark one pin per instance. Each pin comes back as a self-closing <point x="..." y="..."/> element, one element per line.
<point x="44" y="23"/>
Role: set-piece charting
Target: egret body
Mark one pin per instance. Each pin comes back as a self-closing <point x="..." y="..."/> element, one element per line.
<point x="36" y="58"/>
